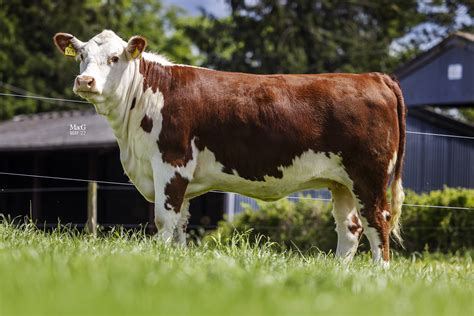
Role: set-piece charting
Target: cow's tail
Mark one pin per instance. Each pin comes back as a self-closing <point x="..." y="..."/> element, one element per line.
<point x="397" y="189"/>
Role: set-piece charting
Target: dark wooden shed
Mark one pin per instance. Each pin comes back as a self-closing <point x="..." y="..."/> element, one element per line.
<point x="79" y="145"/>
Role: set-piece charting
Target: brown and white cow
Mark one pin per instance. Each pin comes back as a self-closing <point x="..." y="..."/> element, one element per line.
<point x="184" y="131"/>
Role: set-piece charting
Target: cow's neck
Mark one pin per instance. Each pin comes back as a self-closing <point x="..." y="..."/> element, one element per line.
<point x="119" y="105"/>
<point x="136" y="120"/>
<point x="139" y="94"/>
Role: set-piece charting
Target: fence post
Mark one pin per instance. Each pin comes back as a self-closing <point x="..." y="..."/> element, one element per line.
<point x="91" y="225"/>
<point x="230" y="206"/>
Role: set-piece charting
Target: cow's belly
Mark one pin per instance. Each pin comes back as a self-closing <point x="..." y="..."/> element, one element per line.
<point x="308" y="171"/>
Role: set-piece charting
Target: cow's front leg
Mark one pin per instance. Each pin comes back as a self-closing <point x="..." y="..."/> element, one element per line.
<point x="170" y="187"/>
<point x="182" y="223"/>
<point x="165" y="222"/>
<point x="348" y="225"/>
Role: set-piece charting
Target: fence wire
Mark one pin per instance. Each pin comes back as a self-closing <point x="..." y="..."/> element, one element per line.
<point x="268" y="228"/>
<point x="131" y="185"/>
<point x="37" y="97"/>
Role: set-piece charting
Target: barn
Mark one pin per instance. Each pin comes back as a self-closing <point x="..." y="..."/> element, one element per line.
<point x="77" y="145"/>
<point x="80" y="145"/>
<point x="441" y="78"/>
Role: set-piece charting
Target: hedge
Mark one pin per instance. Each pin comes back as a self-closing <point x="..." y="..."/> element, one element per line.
<point x="307" y="224"/>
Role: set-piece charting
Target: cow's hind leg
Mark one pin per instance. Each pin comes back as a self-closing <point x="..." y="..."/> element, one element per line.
<point x="376" y="222"/>
<point x="376" y="228"/>
<point x="348" y="225"/>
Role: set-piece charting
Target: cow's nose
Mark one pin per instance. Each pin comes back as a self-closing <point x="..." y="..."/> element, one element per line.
<point x="85" y="82"/>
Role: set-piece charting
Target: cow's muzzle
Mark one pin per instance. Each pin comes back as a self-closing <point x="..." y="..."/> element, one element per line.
<point x="85" y="84"/>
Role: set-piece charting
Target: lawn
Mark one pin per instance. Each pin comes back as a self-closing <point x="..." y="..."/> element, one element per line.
<point x="122" y="273"/>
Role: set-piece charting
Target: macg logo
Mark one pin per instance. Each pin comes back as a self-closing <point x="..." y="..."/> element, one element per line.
<point x="77" y="129"/>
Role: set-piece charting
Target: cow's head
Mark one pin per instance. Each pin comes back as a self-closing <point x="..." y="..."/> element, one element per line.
<point x="104" y="59"/>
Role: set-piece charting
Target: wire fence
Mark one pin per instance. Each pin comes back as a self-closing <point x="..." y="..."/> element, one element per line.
<point x="132" y="188"/>
<point x="439" y="135"/>
<point x="38" y="97"/>
<point x="268" y="228"/>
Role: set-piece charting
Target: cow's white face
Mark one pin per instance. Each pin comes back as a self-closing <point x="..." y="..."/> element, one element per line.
<point x="103" y="62"/>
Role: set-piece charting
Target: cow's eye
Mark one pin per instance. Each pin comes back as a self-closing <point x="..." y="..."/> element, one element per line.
<point x="114" y="59"/>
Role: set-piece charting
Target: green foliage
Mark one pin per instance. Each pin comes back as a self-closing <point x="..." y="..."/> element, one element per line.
<point x="305" y="224"/>
<point x="124" y="273"/>
<point x="301" y="36"/>
<point x="439" y="229"/>
<point x="468" y="114"/>
<point x="29" y="60"/>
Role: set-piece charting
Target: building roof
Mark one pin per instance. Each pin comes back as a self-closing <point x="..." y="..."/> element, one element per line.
<point x="441" y="76"/>
<point x="52" y="130"/>
<point x="454" y="39"/>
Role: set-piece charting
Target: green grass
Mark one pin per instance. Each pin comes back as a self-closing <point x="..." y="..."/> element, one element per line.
<point x="67" y="272"/>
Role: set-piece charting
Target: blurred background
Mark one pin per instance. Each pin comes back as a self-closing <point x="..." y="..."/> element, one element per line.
<point x="268" y="36"/>
<point x="428" y="45"/>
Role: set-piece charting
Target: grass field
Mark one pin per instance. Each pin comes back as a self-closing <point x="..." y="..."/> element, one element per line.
<point x="67" y="272"/>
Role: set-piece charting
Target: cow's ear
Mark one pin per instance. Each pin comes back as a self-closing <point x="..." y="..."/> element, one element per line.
<point x="67" y="44"/>
<point x="136" y="46"/>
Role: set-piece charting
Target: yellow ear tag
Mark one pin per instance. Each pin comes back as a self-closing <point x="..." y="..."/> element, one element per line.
<point x="70" y="51"/>
<point x="135" y="53"/>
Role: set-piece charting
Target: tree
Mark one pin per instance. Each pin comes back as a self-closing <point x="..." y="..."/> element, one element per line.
<point x="29" y="62"/>
<point x="304" y="36"/>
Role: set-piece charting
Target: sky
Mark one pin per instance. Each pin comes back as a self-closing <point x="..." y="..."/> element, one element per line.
<point x="217" y="7"/>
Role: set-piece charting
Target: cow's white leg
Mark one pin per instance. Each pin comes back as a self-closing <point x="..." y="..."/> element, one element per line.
<point x="170" y="187"/>
<point x="165" y="222"/>
<point x="182" y="223"/>
<point x="377" y="234"/>
<point x="374" y="241"/>
<point x="348" y="225"/>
